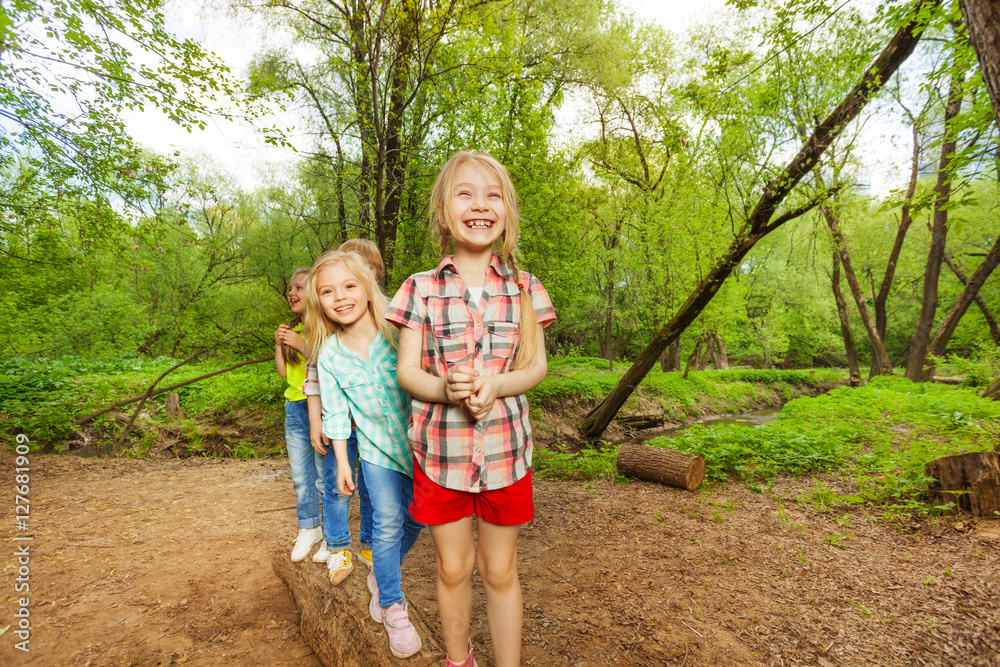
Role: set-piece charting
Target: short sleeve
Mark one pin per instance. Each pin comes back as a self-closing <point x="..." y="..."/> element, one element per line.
<point x="310" y="387"/>
<point x="336" y="410"/>
<point x="545" y="313"/>
<point x="407" y="308"/>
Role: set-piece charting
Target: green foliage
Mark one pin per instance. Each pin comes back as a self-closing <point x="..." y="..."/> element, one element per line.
<point x="880" y="436"/>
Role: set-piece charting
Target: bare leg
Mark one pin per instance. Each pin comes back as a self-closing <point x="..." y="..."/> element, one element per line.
<point x="497" y="560"/>
<point x="456" y="556"/>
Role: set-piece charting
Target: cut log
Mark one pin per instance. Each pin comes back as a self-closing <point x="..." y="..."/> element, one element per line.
<point x="658" y="464"/>
<point x="335" y="622"/>
<point x="975" y="475"/>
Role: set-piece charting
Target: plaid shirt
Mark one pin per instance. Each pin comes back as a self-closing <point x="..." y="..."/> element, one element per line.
<point x="368" y="391"/>
<point x="453" y="449"/>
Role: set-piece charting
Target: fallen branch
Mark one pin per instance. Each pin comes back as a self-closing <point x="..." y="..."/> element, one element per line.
<point x="84" y="420"/>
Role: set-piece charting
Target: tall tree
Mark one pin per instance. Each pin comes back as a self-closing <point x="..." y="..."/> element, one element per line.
<point x="762" y="219"/>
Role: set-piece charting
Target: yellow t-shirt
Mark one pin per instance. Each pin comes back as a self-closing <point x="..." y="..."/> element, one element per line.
<point x="295" y="375"/>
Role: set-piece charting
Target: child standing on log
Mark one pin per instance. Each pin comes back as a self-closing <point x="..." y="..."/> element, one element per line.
<point x="362" y="402"/>
<point x="305" y="464"/>
<point x="470" y="346"/>
<point x="335" y="549"/>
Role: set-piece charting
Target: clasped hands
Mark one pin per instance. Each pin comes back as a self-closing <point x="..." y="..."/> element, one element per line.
<point x="463" y="385"/>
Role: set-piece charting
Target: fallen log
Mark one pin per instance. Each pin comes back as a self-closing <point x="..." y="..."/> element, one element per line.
<point x="971" y="481"/>
<point x="335" y="622"/>
<point x="658" y="464"/>
<point x="641" y="422"/>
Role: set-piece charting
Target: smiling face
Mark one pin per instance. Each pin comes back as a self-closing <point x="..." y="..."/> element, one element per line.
<point x="479" y="215"/>
<point x="342" y="296"/>
<point x="296" y="293"/>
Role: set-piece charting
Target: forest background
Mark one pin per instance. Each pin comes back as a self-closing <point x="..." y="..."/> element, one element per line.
<point x="109" y="250"/>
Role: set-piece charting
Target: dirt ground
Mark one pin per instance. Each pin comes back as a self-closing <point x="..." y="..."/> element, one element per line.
<point x="165" y="562"/>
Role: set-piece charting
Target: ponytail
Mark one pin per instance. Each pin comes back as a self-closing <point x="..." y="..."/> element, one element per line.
<point x="527" y="340"/>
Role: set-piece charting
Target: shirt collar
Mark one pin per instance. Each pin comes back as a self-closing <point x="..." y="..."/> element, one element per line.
<point x="499" y="266"/>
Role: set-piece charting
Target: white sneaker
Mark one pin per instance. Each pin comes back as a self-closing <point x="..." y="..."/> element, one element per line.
<point x="322" y="554"/>
<point x="304" y="542"/>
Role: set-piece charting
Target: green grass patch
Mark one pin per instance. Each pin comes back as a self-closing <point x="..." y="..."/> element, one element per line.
<point x="879" y="437"/>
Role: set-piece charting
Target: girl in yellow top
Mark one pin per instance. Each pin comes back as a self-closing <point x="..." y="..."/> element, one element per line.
<point x="306" y="464"/>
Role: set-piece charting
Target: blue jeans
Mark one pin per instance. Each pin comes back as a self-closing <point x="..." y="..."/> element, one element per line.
<point x="395" y="530"/>
<point x="337" y="507"/>
<point x="305" y="463"/>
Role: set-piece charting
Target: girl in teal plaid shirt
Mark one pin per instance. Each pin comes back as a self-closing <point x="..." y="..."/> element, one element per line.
<point x="361" y="399"/>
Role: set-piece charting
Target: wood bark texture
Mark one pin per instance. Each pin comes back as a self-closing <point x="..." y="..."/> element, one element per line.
<point x="978" y="473"/>
<point x="335" y="622"/>
<point x="657" y="464"/>
<point x="982" y="19"/>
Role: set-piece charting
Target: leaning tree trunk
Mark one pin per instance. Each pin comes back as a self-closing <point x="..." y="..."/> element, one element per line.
<point x="947" y="328"/>
<point x="761" y="221"/>
<point x="939" y="233"/>
<point x="881" y="361"/>
<point x="984" y="308"/>
<point x="982" y="20"/>
<point x="657" y="464"/>
<point x="845" y="323"/>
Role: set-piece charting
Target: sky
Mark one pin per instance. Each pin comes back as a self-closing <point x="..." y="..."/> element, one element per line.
<point x="240" y="151"/>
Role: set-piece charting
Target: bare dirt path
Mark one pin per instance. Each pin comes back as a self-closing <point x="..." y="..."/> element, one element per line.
<point x="165" y="562"/>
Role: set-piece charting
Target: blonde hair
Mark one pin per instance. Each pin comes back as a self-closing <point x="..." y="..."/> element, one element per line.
<point x="289" y="353"/>
<point x="443" y="222"/>
<point x="319" y="327"/>
<point x="369" y="251"/>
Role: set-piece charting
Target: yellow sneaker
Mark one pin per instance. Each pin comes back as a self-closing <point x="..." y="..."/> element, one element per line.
<point x="339" y="566"/>
<point x="366" y="556"/>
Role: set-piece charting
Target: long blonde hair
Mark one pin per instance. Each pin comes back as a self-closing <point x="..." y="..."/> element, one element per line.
<point x="290" y="354"/>
<point x="319" y="327"/>
<point x="443" y="222"/>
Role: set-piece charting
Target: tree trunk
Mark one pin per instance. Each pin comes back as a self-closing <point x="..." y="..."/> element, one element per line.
<point x="947" y="328"/>
<point x="939" y="233"/>
<point x="707" y="351"/>
<point x="982" y="19"/>
<point x="720" y="358"/>
<point x="845" y="323"/>
<point x="334" y="619"/>
<point x="761" y="221"/>
<point x="881" y="361"/>
<point x="976" y="473"/>
<point x="905" y="220"/>
<point x="670" y="360"/>
<point x="993" y="391"/>
<point x="657" y="464"/>
<point x="984" y="308"/>
<point x="692" y="360"/>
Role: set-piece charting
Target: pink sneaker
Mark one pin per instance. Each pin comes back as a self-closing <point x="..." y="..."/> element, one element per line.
<point x="470" y="661"/>
<point x="374" y="610"/>
<point x="403" y="638"/>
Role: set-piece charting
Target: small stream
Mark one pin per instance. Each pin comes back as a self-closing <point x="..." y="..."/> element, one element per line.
<point x="751" y="418"/>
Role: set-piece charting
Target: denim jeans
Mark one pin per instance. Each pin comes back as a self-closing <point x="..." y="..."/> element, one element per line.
<point x="305" y="463"/>
<point x="337" y="507"/>
<point x="395" y="530"/>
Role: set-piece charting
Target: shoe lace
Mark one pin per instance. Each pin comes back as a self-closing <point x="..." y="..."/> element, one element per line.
<point x="339" y="559"/>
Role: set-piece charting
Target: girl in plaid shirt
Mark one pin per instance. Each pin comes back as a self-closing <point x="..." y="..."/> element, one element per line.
<point x="470" y="346"/>
<point x="361" y="399"/>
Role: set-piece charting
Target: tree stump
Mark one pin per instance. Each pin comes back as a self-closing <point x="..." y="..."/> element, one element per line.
<point x="657" y="464"/>
<point x="335" y="622"/>
<point x="976" y="473"/>
<point x="173" y="405"/>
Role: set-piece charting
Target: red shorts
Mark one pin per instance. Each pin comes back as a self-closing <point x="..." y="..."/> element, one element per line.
<point x="435" y="505"/>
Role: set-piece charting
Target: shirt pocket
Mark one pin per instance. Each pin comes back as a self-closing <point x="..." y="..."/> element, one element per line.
<point x="503" y="339"/>
<point x="450" y="340"/>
